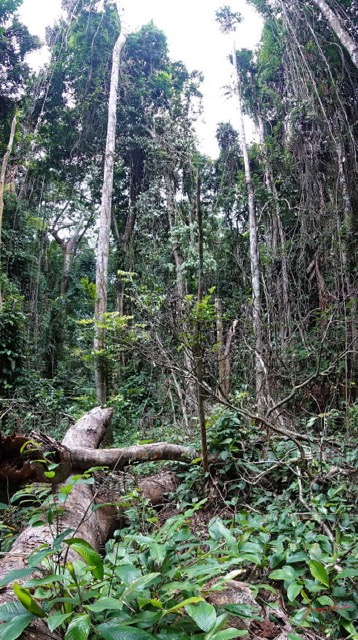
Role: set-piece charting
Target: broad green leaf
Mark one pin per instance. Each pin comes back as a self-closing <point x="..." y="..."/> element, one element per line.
<point x="250" y="547"/>
<point x="346" y="573"/>
<point x="138" y="585"/>
<point x="299" y="556"/>
<point x="293" y="590"/>
<point x="36" y="558"/>
<point x="158" y="552"/>
<point x="51" y="579"/>
<point x="203" y="614"/>
<point x="218" y="530"/>
<point x="12" y="630"/>
<point x="319" y="572"/>
<point x="28" y="601"/>
<point x="56" y="620"/>
<point x="294" y="636"/>
<point x="128" y="573"/>
<point x="286" y="573"/>
<point x="146" y="540"/>
<point x="142" y="602"/>
<point x="325" y="600"/>
<point x="172" y="587"/>
<point x="227" y="634"/>
<point x="242" y="610"/>
<point x="3" y="506"/>
<point x="17" y="574"/>
<point x="10" y="610"/>
<point x="104" y="604"/>
<point x="350" y="628"/>
<point x="79" y="628"/>
<point x="113" y="631"/>
<point x="146" y="619"/>
<point x="184" y="603"/>
<point x="89" y="555"/>
<point x="60" y="538"/>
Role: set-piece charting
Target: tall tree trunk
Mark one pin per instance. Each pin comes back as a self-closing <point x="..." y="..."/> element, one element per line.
<point x="279" y="233"/>
<point x="260" y="381"/>
<point x="336" y="25"/>
<point x="223" y="351"/>
<point x="198" y="349"/>
<point x="4" y="164"/>
<point x="182" y="290"/>
<point x="104" y="227"/>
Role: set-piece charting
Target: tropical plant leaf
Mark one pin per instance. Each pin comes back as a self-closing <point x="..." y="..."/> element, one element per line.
<point x="89" y="555"/>
<point x="17" y="574"/>
<point x="227" y="634"/>
<point x="28" y="601"/>
<point x="13" y="629"/>
<point x="113" y="631"/>
<point x="105" y="604"/>
<point x="56" y="620"/>
<point x="293" y="590"/>
<point x="203" y="614"/>
<point x="319" y="572"/>
<point x="184" y="603"/>
<point x="79" y="628"/>
<point x="286" y="573"/>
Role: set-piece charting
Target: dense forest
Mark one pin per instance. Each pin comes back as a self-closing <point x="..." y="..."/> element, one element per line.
<point x="198" y="314"/>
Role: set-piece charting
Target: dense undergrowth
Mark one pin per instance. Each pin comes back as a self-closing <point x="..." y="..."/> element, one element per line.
<point x="262" y="546"/>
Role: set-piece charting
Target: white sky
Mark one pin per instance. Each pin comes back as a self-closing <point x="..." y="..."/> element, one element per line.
<point x="193" y="37"/>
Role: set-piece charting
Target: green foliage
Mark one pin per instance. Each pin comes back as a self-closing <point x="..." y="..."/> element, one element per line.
<point x="12" y="339"/>
<point x="227" y="19"/>
<point x="158" y="581"/>
<point x="15" y="43"/>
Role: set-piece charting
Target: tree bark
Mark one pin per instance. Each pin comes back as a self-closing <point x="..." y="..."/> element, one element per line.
<point x="83" y="458"/>
<point x="335" y="23"/>
<point x="198" y="348"/>
<point x="4" y="164"/>
<point x="105" y="226"/>
<point x="260" y="381"/>
<point x="76" y="453"/>
<point x="182" y="290"/>
<point x="223" y="351"/>
<point x="93" y="526"/>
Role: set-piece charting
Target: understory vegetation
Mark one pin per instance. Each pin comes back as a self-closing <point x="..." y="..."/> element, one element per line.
<point x="210" y="302"/>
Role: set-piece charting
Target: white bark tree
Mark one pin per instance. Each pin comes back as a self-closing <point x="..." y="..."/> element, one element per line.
<point x="260" y="377"/>
<point x="336" y="25"/>
<point x="105" y="225"/>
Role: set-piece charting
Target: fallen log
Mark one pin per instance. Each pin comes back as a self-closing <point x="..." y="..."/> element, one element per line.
<point x="93" y="526"/>
<point x="75" y="453"/>
<point x="20" y="460"/>
<point x="83" y="459"/>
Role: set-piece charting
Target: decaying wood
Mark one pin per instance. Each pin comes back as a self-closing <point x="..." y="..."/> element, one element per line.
<point x="94" y="526"/>
<point x="16" y="467"/>
<point x="77" y="452"/>
<point x="118" y="458"/>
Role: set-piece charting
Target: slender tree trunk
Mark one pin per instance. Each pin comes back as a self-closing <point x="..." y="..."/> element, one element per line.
<point x="4" y="164"/>
<point x="260" y="381"/>
<point x="182" y="290"/>
<point x="336" y="25"/>
<point x="279" y="235"/>
<point x="222" y="381"/>
<point x="104" y="227"/>
<point x="198" y="350"/>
